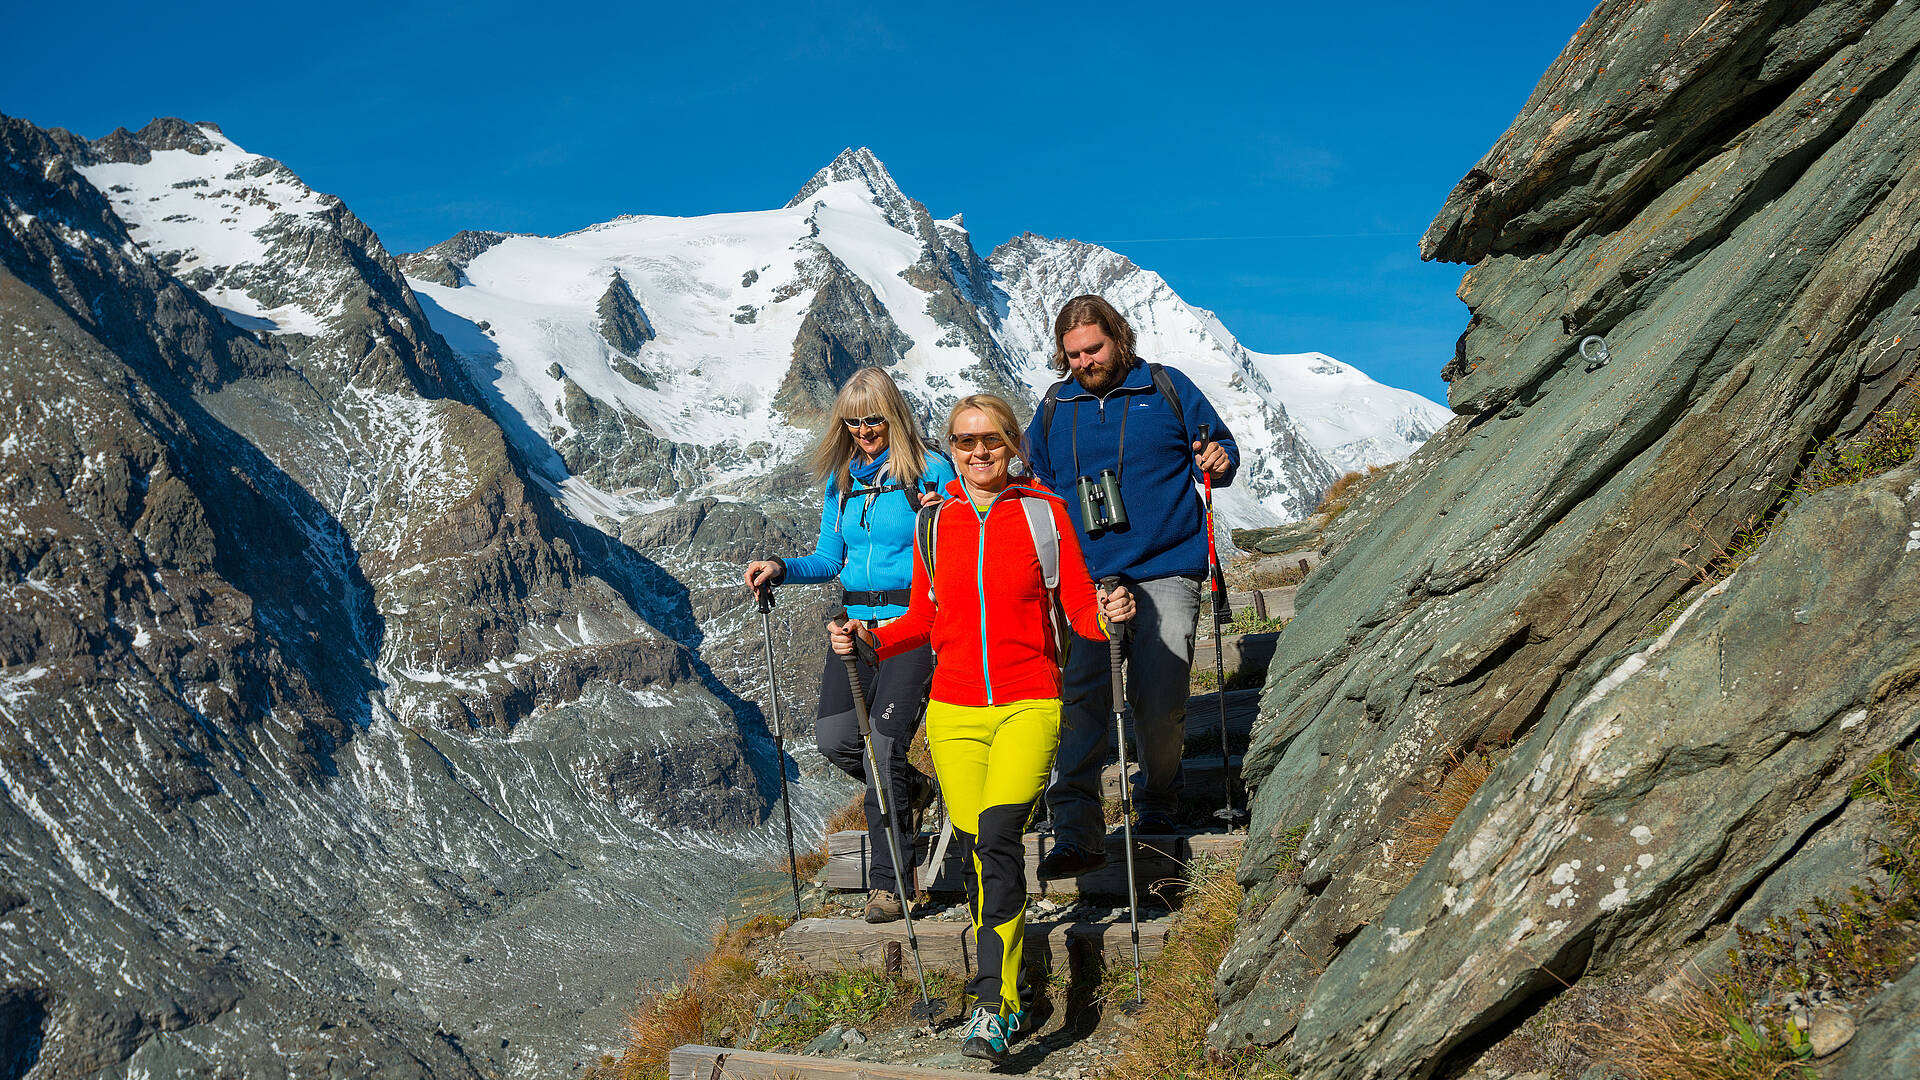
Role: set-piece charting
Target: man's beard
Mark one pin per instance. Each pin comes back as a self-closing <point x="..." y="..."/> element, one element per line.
<point x="1100" y="376"/>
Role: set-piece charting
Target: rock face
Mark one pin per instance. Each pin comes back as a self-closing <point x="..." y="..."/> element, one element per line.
<point x="1735" y="206"/>
<point x="622" y="322"/>
<point x="302" y="670"/>
<point x="445" y="263"/>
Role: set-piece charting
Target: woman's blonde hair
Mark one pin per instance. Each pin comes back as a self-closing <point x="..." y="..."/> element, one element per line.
<point x="870" y="392"/>
<point x="1000" y="415"/>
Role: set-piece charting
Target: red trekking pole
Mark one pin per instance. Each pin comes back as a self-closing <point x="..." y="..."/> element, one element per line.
<point x="1228" y="815"/>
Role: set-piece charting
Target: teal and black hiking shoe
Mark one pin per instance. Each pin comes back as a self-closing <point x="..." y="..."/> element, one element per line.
<point x="984" y="1036"/>
<point x="1030" y="1019"/>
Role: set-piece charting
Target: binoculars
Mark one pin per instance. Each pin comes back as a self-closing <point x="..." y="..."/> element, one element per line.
<point x="1100" y="505"/>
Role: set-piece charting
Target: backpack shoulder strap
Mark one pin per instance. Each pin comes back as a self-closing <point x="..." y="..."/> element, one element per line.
<point x="926" y="527"/>
<point x="1046" y="539"/>
<point x="1164" y="383"/>
<point x="1049" y="402"/>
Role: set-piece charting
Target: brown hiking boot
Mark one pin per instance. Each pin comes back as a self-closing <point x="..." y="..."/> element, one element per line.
<point x="882" y="906"/>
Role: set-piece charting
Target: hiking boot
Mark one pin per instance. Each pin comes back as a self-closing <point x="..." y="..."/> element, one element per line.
<point x="882" y="906"/>
<point x="1030" y="1019"/>
<point x="1068" y="860"/>
<point x="984" y="1036"/>
<point x="1154" y="823"/>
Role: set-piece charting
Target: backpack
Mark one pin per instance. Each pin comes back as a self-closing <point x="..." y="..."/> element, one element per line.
<point x="1046" y="546"/>
<point x="1161" y="381"/>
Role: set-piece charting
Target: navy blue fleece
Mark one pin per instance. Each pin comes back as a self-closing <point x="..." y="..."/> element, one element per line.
<point x="1166" y="532"/>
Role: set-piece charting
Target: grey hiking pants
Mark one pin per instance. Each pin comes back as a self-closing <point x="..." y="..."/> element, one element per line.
<point x="1159" y="663"/>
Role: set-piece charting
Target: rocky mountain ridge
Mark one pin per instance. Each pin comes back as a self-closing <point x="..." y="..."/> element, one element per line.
<point x="303" y="669"/>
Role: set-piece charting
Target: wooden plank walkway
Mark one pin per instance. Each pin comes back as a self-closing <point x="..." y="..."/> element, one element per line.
<point x="1240" y="651"/>
<point x="1155" y="858"/>
<point x="693" y="1062"/>
<point x="947" y="944"/>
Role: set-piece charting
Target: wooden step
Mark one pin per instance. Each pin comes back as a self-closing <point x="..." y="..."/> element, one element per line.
<point x="1155" y="858"/>
<point x="1239" y="650"/>
<point x="693" y="1062"/>
<point x="1203" y="717"/>
<point x="947" y="944"/>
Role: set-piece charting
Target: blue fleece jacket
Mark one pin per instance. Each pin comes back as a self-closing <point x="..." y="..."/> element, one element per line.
<point x="867" y="540"/>
<point x="1166" y="531"/>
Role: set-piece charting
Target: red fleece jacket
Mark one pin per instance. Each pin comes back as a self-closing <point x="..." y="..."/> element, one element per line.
<point x="988" y="617"/>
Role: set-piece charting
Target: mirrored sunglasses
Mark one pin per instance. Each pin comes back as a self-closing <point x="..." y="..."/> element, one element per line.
<point x="966" y="440"/>
<point x="864" y="421"/>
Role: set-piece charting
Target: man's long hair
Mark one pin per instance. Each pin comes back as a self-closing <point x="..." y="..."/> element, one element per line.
<point x="1090" y="310"/>
<point x="870" y="392"/>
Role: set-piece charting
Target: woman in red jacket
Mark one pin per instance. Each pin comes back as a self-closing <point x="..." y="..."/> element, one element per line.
<point x="993" y="721"/>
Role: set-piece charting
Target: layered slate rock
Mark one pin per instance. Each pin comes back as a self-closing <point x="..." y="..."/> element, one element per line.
<point x="1731" y="199"/>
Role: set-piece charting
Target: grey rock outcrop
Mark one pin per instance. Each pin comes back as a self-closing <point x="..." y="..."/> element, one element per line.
<point x="846" y="328"/>
<point x="445" y="263"/>
<point x="1736" y="211"/>
<point x="622" y="322"/>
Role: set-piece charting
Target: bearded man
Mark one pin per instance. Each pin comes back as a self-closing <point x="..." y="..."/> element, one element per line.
<point x="1117" y="438"/>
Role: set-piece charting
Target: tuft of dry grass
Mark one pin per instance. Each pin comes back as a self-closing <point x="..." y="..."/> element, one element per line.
<point x="1418" y="834"/>
<point x="1707" y="1030"/>
<point x="1168" y="1040"/>
<point x="717" y="994"/>
<point x="1346" y="489"/>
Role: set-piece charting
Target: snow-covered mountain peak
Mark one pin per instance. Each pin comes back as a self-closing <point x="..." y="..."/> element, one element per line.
<point x="852" y="164"/>
<point x="219" y="217"/>
<point x="862" y="171"/>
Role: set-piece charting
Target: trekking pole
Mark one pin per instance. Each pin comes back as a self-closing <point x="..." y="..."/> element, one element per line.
<point x="1228" y="815"/>
<point x="1126" y="797"/>
<point x="765" y="595"/>
<point x="928" y="1009"/>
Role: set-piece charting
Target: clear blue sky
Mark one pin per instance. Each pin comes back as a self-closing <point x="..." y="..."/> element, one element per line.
<point x="1320" y="138"/>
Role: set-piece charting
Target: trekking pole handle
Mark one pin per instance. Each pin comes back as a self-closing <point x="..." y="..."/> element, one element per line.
<point x="763" y="595"/>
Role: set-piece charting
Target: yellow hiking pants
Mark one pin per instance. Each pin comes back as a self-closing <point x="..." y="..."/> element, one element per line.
<point x="993" y="761"/>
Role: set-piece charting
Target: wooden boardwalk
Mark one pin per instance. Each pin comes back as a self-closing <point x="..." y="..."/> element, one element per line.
<point x="947" y="944"/>
<point x="1156" y="858"/>
<point x="693" y="1062"/>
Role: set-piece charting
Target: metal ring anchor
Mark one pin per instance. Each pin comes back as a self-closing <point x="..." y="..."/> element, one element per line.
<point x="1593" y="349"/>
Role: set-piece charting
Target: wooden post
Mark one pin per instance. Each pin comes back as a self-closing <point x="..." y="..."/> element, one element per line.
<point x="1260" y="605"/>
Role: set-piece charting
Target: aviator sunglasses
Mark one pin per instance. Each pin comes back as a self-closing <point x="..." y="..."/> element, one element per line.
<point x="965" y="440"/>
<point x="864" y="421"/>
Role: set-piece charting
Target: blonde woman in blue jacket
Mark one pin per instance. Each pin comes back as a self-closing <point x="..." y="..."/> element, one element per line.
<point x="878" y="473"/>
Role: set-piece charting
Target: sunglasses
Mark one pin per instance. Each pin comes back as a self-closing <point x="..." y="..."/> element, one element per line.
<point x="966" y="440"/>
<point x="863" y="421"/>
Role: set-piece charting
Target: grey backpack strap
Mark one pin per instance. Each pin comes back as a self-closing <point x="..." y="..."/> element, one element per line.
<point x="1046" y="539"/>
